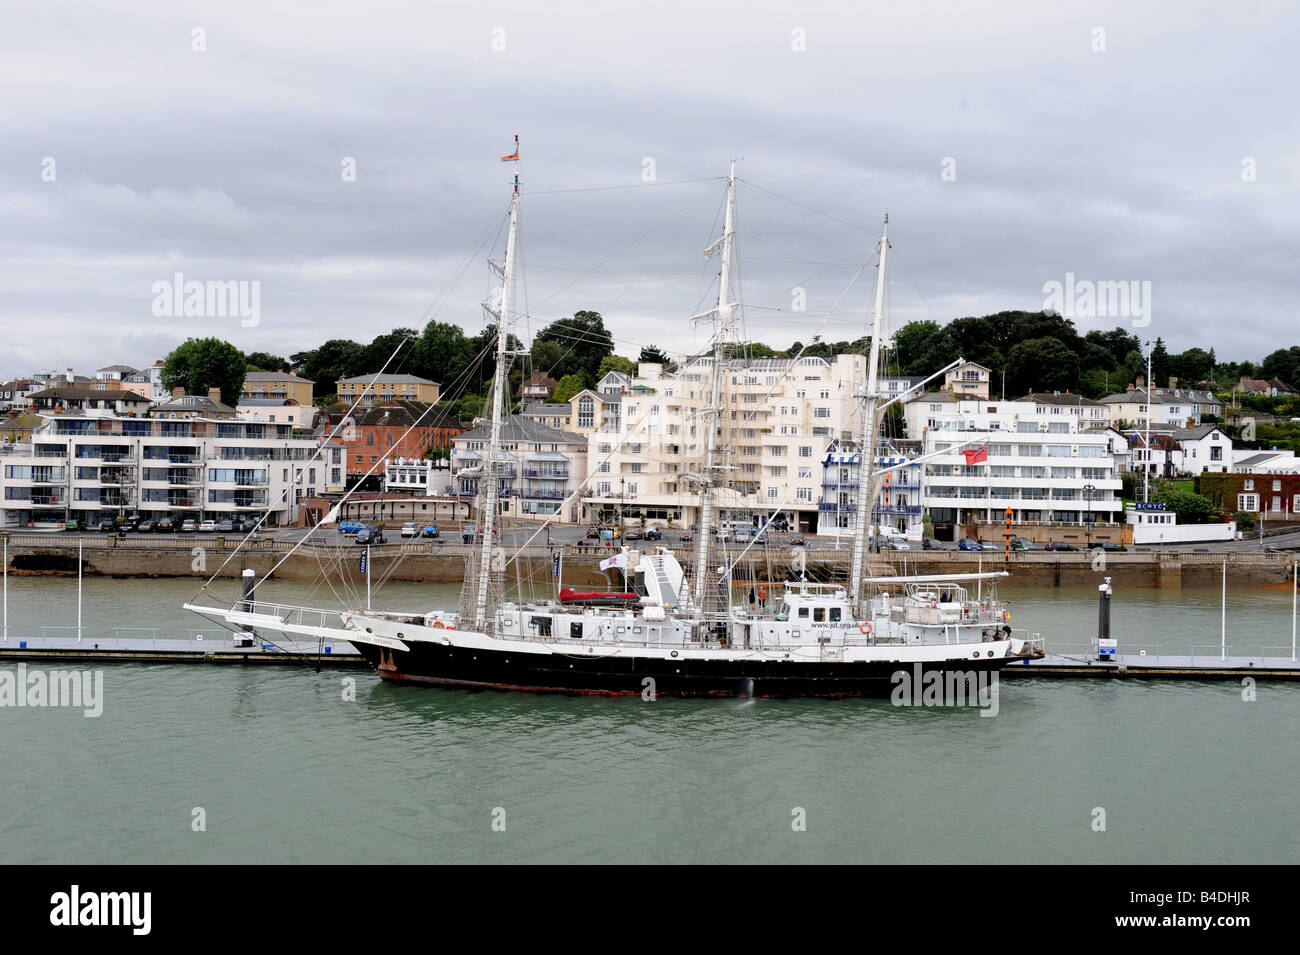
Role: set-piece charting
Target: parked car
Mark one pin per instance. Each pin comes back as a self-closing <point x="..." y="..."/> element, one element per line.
<point x="930" y="543"/>
<point x="654" y="534"/>
<point x="744" y="535"/>
<point x="145" y="526"/>
<point x="131" y="523"/>
<point x="74" y="525"/>
<point x="894" y="543"/>
<point x="351" y="527"/>
<point x="225" y="527"/>
<point x="410" y="529"/>
<point x="798" y="541"/>
<point x="430" y="530"/>
<point x="370" y="535"/>
<point x="164" y="525"/>
<point x="208" y="527"/>
<point x="632" y="534"/>
<point x="189" y="526"/>
<point x="1111" y="546"/>
<point x="967" y="544"/>
<point x="687" y="536"/>
<point x="991" y="545"/>
<point x="1058" y="545"/>
<point x="245" y="524"/>
<point x="1022" y="543"/>
<point x="108" y="526"/>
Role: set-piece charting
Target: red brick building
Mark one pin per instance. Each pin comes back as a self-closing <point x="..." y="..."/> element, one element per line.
<point x="1276" y="495"/>
<point x="389" y="431"/>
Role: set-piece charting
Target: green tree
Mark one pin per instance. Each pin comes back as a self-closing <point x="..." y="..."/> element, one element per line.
<point x="652" y="354"/>
<point x="1191" y="508"/>
<point x="442" y="354"/>
<point x="615" y="363"/>
<point x="202" y="363"/>
<point x="585" y="342"/>
<point x="922" y="348"/>
<point x="1160" y="364"/>
<point x="393" y="351"/>
<point x="1041" y="364"/>
<point x="1283" y="364"/>
<point x="335" y="359"/>
<point x="567" y="387"/>
<point x="264" y="361"/>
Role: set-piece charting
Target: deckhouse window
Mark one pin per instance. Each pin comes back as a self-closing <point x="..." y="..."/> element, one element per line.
<point x="835" y="614"/>
<point x="819" y="614"/>
<point x="803" y="613"/>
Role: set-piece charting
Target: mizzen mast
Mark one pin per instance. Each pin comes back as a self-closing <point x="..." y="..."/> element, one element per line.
<point x="867" y="435"/>
<point x="491" y="574"/>
<point x="725" y="332"/>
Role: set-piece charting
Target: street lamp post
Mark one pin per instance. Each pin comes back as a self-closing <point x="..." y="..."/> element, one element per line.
<point x="1087" y="496"/>
<point x="621" y="482"/>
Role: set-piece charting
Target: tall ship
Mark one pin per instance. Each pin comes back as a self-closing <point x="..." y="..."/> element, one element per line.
<point x="676" y="630"/>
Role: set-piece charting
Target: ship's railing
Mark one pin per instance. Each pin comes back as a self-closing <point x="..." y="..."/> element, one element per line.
<point x="292" y="614"/>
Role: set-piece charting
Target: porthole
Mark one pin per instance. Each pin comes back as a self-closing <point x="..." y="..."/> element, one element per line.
<point x="976" y="655"/>
<point x="400" y="635"/>
<point x="673" y="654"/>
<point x="990" y="653"/>
<point x="368" y="630"/>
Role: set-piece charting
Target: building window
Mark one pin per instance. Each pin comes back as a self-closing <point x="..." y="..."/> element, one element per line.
<point x="1248" y="502"/>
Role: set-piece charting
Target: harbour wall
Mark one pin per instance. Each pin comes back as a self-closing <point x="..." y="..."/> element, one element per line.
<point x="446" y="562"/>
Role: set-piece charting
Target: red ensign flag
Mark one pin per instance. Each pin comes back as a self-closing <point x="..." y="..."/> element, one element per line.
<point x="976" y="455"/>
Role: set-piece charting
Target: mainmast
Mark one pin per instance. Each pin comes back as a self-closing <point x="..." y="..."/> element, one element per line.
<point x="490" y="578"/>
<point x="724" y="332"/>
<point x="867" y="435"/>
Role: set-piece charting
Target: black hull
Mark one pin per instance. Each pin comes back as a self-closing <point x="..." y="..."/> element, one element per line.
<point x="440" y="665"/>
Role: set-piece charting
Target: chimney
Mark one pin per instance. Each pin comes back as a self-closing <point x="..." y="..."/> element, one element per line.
<point x="1173" y="382"/>
<point x="214" y="394"/>
<point x="178" y="392"/>
<point x="70" y="376"/>
<point x="1142" y="381"/>
<point x="1130" y="386"/>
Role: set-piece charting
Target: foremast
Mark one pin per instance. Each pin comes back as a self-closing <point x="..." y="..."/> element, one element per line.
<point x="491" y="572"/>
<point x="724" y="332"/>
<point x="867" y="436"/>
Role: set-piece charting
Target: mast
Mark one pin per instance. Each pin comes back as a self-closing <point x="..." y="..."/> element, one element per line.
<point x="867" y="435"/>
<point x="488" y="577"/>
<point x="722" y="315"/>
<point x="1146" y="471"/>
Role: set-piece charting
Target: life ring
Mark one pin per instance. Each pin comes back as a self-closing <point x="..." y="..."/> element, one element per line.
<point x="438" y="625"/>
<point x="1005" y="617"/>
<point x="865" y="627"/>
<point x="451" y="626"/>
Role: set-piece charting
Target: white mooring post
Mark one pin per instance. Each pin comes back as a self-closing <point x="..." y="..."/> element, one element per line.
<point x="1223" y="617"/>
<point x="79" y="590"/>
<point x="1295" y="570"/>
<point x="6" y="592"/>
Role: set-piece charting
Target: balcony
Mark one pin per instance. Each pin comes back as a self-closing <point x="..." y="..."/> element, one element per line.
<point x="836" y="506"/>
<point x="560" y="474"/>
<point x="532" y="494"/>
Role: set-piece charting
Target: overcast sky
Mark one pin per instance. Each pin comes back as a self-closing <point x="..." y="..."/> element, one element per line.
<point x="1161" y="149"/>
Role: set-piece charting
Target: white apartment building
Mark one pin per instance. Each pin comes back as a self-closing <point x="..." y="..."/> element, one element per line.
<point x="542" y="468"/>
<point x="95" y="466"/>
<point x="778" y="418"/>
<point x="1042" y="462"/>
